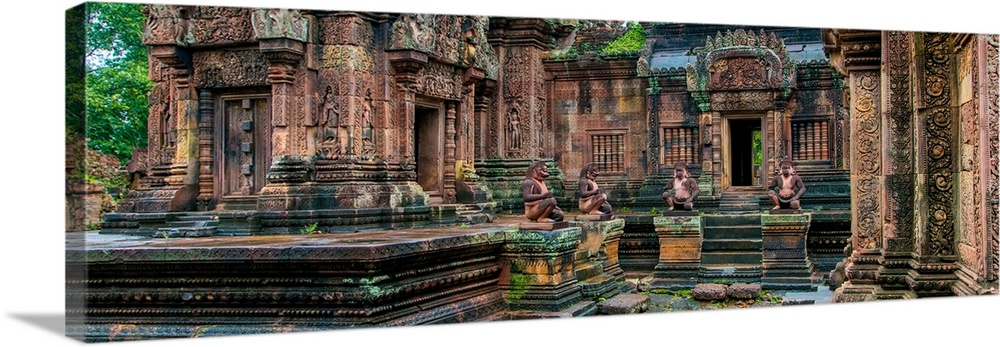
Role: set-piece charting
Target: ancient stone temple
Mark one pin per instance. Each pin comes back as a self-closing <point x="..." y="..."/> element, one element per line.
<point x="406" y="140"/>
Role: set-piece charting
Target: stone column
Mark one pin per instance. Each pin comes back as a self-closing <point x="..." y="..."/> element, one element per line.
<point x="449" y="152"/>
<point x="897" y="140"/>
<point x="932" y="272"/>
<point x="861" y="53"/>
<point x="206" y="151"/>
<point x="681" y="235"/>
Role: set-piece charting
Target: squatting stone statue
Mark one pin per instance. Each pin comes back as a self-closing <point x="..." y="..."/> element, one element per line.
<point x="592" y="199"/>
<point x="539" y="205"/>
<point x="790" y="187"/>
<point x="685" y="189"/>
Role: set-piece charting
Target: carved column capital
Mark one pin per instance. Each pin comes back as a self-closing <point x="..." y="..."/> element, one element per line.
<point x="853" y="49"/>
<point x="408" y="65"/>
<point x="284" y="56"/>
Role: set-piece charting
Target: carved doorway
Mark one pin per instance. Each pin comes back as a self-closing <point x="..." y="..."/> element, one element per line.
<point x="743" y="153"/>
<point x="244" y="150"/>
<point x="428" y="137"/>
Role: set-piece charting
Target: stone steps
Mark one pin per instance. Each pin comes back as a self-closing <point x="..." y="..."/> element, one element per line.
<point x="189" y="226"/>
<point x="733" y="232"/>
<point x="709" y="259"/>
<point x="754" y="245"/>
<point x="728" y="220"/>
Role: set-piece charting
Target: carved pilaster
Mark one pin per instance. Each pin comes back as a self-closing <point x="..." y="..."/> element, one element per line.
<point x="449" y="152"/>
<point x="991" y="91"/>
<point x="861" y="56"/>
<point x="408" y="66"/>
<point x="206" y="152"/>
<point x="933" y="269"/>
<point x="897" y="141"/>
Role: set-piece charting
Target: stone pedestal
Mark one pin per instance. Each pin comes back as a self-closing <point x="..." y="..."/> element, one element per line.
<point x="785" y="266"/>
<point x="595" y="262"/>
<point x="680" y="234"/>
<point x="537" y="271"/>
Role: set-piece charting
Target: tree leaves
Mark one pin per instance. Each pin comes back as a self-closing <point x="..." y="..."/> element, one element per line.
<point x="117" y="79"/>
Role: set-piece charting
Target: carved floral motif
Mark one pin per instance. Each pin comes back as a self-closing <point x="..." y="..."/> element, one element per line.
<point x="900" y="118"/>
<point x="867" y="158"/>
<point x="940" y="188"/>
<point x="993" y="116"/>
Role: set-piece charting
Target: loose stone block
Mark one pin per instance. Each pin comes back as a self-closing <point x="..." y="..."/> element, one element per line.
<point x="709" y="291"/>
<point x="743" y="291"/>
<point x="680" y="238"/>
<point x="624" y="304"/>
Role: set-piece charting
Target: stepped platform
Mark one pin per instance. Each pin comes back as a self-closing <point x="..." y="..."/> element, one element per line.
<point x="145" y="288"/>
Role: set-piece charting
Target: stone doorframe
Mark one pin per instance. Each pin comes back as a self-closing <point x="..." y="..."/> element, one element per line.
<point x="725" y="171"/>
<point x="743" y="73"/>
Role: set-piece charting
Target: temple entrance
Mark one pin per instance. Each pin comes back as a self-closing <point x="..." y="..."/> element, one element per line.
<point x="744" y="157"/>
<point x="428" y="132"/>
<point x="244" y="147"/>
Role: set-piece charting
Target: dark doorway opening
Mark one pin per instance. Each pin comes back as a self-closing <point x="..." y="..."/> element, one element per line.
<point x="429" y="151"/>
<point x="746" y="152"/>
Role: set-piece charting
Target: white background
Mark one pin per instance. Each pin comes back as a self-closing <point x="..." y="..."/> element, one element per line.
<point x="31" y="228"/>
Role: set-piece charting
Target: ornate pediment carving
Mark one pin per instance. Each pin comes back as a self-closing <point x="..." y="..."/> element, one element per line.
<point x="743" y="61"/>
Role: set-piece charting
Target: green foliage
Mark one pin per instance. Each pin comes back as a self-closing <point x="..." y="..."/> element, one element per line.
<point x="625" y="209"/>
<point x="629" y="43"/>
<point x="655" y="210"/>
<point x="758" y="153"/>
<point x="117" y="79"/>
<point x="310" y="229"/>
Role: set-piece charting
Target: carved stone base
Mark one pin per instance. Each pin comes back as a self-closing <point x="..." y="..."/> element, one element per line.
<point x="537" y="269"/>
<point x="471" y="192"/>
<point x="932" y="279"/>
<point x="680" y="251"/>
<point x="543" y="225"/>
<point x="593" y="217"/>
<point x="639" y="249"/>
<point x="330" y="195"/>
<point x="680" y="213"/>
<point x="149" y="200"/>
<point x="785" y="211"/>
<point x="855" y="293"/>
<point x="254" y="285"/>
<point x="595" y="261"/>
<point x="785" y="264"/>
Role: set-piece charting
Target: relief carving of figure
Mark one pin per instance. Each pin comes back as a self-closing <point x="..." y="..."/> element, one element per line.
<point x="790" y="187"/>
<point x="331" y="125"/>
<point x="539" y="205"/>
<point x="514" y="130"/>
<point x="685" y="189"/>
<point x="592" y="199"/>
<point x="368" y="141"/>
